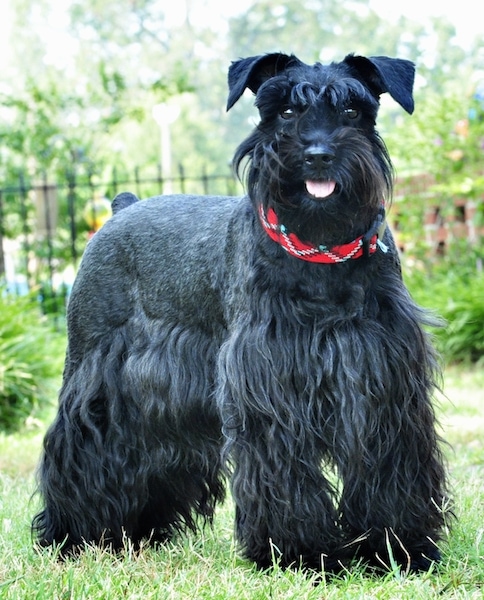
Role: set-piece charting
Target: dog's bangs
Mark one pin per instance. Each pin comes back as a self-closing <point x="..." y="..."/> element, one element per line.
<point x="348" y="90"/>
<point x="273" y="93"/>
<point x="304" y="94"/>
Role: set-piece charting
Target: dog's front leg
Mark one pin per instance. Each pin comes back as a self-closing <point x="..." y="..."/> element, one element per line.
<point x="394" y="499"/>
<point x="285" y="510"/>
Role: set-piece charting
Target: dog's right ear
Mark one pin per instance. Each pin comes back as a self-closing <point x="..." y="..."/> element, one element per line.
<point x="252" y="72"/>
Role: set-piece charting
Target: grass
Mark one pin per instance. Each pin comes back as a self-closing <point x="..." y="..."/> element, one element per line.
<point x="207" y="565"/>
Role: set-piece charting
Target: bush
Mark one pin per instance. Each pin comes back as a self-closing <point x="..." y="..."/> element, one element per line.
<point x="30" y="360"/>
<point x="458" y="298"/>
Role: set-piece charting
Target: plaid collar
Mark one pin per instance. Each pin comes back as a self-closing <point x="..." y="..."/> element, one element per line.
<point x="365" y="245"/>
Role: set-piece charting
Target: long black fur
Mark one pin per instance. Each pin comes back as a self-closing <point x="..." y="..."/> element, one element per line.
<point x="198" y="347"/>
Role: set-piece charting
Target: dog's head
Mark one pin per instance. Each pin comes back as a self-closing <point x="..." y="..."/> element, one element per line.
<point x="315" y="156"/>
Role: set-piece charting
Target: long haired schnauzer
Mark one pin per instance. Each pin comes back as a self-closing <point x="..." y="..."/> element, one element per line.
<point x="268" y="337"/>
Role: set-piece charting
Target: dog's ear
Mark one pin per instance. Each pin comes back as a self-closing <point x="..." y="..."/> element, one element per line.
<point x="383" y="74"/>
<point x="253" y="71"/>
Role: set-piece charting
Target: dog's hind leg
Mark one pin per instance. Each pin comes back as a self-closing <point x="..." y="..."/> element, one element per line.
<point x="93" y="471"/>
<point x="177" y="497"/>
<point x="169" y="374"/>
<point x="135" y="448"/>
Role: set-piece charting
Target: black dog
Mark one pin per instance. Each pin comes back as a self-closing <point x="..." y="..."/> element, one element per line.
<point x="269" y="335"/>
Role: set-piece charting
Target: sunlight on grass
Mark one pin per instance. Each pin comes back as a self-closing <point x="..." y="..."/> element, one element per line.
<point x="462" y="417"/>
<point x="19" y="454"/>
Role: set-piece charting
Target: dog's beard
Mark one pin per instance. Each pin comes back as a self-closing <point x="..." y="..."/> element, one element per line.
<point x="324" y="208"/>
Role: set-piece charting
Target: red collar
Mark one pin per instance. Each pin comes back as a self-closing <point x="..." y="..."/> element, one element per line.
<point x="364" y="245"/>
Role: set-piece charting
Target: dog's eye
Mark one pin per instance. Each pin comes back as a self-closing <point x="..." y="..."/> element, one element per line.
<point x="351" y="113"/>
<point x="288" y="113"/>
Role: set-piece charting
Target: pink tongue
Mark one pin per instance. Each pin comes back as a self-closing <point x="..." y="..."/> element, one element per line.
<point x="320" y="189"/>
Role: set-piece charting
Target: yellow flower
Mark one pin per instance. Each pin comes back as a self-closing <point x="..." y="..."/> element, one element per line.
<point x="456" y="155"/>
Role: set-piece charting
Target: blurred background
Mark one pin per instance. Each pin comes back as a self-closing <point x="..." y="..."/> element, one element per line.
<point x="100" y="96"/>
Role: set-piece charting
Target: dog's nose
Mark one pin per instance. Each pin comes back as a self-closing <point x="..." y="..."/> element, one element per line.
<point x="319" y="157"/>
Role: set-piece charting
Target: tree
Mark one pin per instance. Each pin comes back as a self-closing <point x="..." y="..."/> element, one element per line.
<point x="120" y="59"/>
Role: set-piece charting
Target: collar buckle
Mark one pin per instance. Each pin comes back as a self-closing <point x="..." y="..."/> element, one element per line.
<point x="375" y="234"/>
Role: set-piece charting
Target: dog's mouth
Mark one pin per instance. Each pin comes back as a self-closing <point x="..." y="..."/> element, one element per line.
<point x="320" y="189"/>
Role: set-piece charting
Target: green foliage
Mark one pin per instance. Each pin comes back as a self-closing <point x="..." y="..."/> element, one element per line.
<point x="40" y="132"/>
<point x="444" y="140"/>
<point x="128" y="57"/>
<point x="30" y="360"/>
<point x="458" y="298"/>
<point x="444" y="137"/>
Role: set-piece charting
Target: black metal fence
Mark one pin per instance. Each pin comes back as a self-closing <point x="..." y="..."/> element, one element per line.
<point x="45" y="223"/>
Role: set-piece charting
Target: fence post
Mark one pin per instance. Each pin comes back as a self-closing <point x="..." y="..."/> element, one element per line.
<point x="2" y="254"/>
<point x="159" y="179"/>
<point x="71" y="208"/>
<point x="25" y="226"/>
<point x="181" y="171"/>
<point x="46" y="191"/>
<point x="114" y="181"/>
<point x="231" y="185"/>
<point x="137" y="182"/>
<point x="205" y="180"/>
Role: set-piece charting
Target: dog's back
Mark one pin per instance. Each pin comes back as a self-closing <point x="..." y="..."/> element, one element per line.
<point x="144" y="256"/>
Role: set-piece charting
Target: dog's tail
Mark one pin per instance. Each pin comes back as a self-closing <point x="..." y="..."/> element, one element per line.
<point x="123" y="200"/>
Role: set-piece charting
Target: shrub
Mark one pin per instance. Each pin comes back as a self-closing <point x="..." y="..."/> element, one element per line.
<point x="30" y="360"/>
<point x="458" y="298"/>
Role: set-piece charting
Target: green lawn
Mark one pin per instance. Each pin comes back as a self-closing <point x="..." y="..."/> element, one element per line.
<point x="207" y="566"/>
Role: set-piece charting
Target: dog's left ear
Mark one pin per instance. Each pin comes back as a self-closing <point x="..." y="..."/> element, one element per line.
<point x="383" y="74"/>
<point x="252" y="72"/>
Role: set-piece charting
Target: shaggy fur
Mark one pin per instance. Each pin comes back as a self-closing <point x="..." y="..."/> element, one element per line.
<point x="199" y="347"/>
